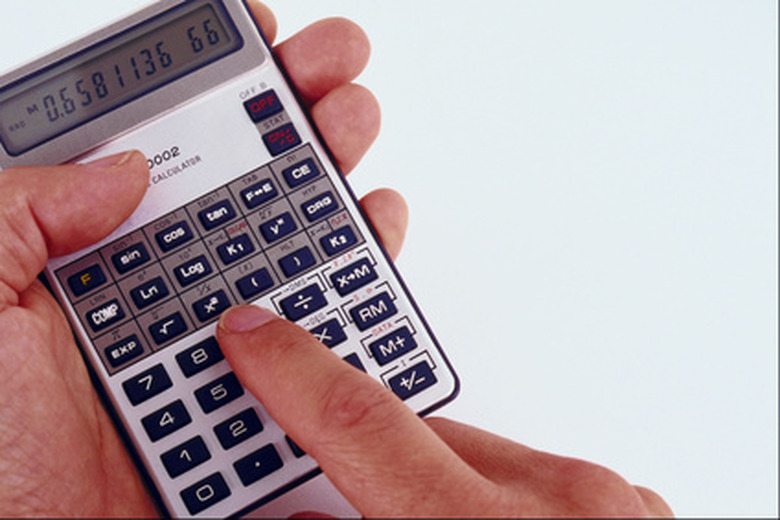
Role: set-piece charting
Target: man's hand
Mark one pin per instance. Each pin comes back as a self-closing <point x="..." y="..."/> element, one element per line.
<point x="59" y="452"/>
<point x="390" y="463"/>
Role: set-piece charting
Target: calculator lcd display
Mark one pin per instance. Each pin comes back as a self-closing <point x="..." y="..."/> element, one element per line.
<point x="114" y="72"/>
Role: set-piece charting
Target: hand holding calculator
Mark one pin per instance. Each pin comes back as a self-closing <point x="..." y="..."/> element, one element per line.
<point x="245" y="206"/>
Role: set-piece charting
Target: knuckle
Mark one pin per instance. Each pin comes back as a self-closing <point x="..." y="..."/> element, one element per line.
<point x="358" y="404"/>
<point x="593" y="489"/>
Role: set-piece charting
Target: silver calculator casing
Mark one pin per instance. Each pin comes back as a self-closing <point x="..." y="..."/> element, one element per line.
<point x="202" y="116"/>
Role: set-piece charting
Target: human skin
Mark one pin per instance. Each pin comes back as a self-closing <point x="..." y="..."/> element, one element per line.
<point x="59" y="452"/>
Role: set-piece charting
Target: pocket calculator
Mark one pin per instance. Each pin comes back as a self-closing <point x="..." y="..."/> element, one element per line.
<point x="245" y="206"/>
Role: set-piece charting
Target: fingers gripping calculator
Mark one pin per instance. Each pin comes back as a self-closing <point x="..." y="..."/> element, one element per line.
<point x="244" y="206"/>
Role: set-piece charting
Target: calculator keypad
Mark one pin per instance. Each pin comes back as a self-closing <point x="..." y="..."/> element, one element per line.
<point x="233" y="245"/>
<point x="280" y="233"/>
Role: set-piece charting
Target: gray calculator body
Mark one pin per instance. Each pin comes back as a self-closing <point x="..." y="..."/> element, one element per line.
<point x="245" y="206"/>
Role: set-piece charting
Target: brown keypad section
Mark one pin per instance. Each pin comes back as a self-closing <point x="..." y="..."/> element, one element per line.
<point x="158" y="284"/>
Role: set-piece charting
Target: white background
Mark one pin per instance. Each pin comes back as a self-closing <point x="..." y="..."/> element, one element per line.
<point x="593" y="192"/>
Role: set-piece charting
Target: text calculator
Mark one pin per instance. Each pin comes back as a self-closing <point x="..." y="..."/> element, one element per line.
<point x="244" y="206"/>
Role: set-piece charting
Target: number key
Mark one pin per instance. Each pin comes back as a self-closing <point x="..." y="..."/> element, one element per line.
<point x="205" y="493"/>
<point x="147" y="384"/>
<point x="166" y="420"/>
<point x="199" y="357"/>
<point x="219" y="392"/>
<point x="186" y="456"/>
<point x="238" y="428"/>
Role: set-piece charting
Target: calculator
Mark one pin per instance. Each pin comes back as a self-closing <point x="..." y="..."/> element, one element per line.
<point x="245" y="206"/>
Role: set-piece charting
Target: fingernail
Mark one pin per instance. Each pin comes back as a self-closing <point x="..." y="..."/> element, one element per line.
<point x="112" y="160"/>
<point x="245" y="318"/>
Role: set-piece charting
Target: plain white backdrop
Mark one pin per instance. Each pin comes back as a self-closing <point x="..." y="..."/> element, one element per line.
<point x="593" y="193"/>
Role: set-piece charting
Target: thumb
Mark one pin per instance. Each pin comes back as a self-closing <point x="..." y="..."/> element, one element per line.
<point x="54" y="210"/>
<point x="376" y="451"/>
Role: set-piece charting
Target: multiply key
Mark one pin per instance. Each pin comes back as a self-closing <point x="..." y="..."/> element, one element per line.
<point x="278" y="228"/>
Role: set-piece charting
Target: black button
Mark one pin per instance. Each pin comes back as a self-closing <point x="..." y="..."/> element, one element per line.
<point x="353" y="277"/>
<point x="193" y="270"/>
<point x="338" y="241"/>
<point x="412" y="380"/>
<point x="257" y="465"/>
<point x="297" y="262"/>
<point x="238" y="428"/>
<point x="86" y="280"/>
<point x="263" y="106"/>
<point x="105" y="315"/>
<point x="282" y="139"/>
<point x="373" y="311"/>
<point x="199" y="357"/>
<point x="259" y="193"/>
<point x="168" y="328"/>
<point x="205" y="493"/>
<point x="150" y="292"/>
<point x="235" y="249"/>
<point x="166" y="420"/>
<point x="354" y="360"/>
<point x="147" y="384"/>
<point x="320" y="206"/>
<point x="123" y="351"/>
<point x="330" y="333"/>
<point x="216" y="215"/>
<point x="300" y="173"/>
<point x="219" y="392"/>
<point x="254" y="283"/>
<point x="211" y="306"/>
<point x="392" y="346"/>
<point x="174" y="236"/>
<point x="132" y="257"/>
<point x="185" y="456"/>
<point x="278" y="228"/>
<point x="297" y="451"/>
